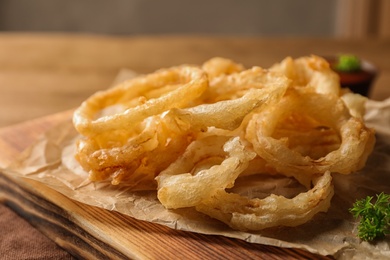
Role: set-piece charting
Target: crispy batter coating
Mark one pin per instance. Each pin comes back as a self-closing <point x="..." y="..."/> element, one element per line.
<point x="190" y="132"/>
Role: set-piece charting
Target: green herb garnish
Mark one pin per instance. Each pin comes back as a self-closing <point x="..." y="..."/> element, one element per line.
<point x="375" y="217"/>
<point x="348" y="63"/>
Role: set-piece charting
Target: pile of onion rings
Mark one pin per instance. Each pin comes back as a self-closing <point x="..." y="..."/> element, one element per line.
<point x="190" y="132"/>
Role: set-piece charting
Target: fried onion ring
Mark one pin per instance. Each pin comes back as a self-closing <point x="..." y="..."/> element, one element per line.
<point x="189" y="83"/>
<point x="329" y="111"/>
<point x="189" y="180"/>
<point x="141" y="158"/>
<point x="235" y="110"/>
<point x="244" y="214"/>
<point x="235" y="85"/>
<point x="312" y="71"/>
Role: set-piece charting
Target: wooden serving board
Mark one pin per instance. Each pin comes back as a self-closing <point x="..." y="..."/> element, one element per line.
<point x="94" y="233"/>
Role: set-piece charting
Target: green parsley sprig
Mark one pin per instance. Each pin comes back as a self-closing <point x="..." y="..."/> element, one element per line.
<point x="375" y="217"/>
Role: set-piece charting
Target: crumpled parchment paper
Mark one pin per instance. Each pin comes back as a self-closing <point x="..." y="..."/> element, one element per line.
<point x="51" y="161"/>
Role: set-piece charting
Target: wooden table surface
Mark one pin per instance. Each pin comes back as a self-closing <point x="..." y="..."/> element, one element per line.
<point x="43" y="74"/>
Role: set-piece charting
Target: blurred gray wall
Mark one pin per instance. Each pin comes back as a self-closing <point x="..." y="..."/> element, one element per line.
<point x="238" y="17"/>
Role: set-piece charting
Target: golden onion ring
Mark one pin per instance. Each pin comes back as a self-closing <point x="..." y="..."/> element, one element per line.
<point x="229" y="114"/>
<point x="236" y="85"/>
<point x="141" y="157"/>
<point x="312" y="72"/>
<point x="190" y="83"/>
<point x="242" y="213"/>
<point x="207" y="165"/>
<point x="357" y="140"/>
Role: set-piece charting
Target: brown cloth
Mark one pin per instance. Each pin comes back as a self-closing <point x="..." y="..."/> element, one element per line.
<point x="20" y="240"/>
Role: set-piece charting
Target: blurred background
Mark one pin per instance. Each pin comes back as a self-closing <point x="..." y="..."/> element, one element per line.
<point x="331" y="18"/>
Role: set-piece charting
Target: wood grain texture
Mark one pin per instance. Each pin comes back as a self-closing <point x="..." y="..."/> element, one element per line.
<point x="94" y="233"/>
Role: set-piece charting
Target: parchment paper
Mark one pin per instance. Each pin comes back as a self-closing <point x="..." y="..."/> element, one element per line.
<point x="51" y="162"/>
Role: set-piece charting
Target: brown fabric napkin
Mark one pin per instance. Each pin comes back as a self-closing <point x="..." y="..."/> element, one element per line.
<point x="19" y="240"/>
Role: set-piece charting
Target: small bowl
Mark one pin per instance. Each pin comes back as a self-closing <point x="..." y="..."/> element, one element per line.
<point x="359" y="81"/>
